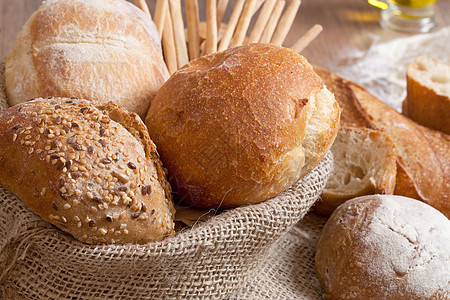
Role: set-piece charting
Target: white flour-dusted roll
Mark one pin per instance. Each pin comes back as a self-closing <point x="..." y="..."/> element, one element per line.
<point x="385" y="247"/>
<point x="98" y="50"/>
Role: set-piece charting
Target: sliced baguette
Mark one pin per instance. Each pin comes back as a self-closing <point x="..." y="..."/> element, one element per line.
<point x="428" y="93"/>
<point x="365" y="164"/>
<point x="352" y="114"/>
<point x="423" y="165"/>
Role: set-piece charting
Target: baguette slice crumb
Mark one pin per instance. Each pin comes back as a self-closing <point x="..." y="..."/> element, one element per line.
<point x="365" y="164"/>
<point x="428" y="93"/>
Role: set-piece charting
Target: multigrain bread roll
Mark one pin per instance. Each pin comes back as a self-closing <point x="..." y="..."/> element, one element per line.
<point x="87" y="167"/>
<point x="385" y="247"/>
<point x="428" y="93"/>
<point x="364" y="164"/>
<point x="105" y="50"/>
<point x="240" y="126"/>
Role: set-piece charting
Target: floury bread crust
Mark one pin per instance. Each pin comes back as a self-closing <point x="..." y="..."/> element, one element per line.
<point x="105" y="50"/>
<point x="87" y="167"/>
<point x="385" y="247"/>
<point x="240" y="126"/>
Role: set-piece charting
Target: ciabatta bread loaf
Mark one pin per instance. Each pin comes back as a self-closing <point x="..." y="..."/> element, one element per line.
<point x="428" y="93"/>
<point x="105" y="50"/>
<point x="364" y="164"/>
<point x="87" y="167"/>
<point x="240" y="126"/>
<point x="423" y="165"/>
<point x="385" y="247"/>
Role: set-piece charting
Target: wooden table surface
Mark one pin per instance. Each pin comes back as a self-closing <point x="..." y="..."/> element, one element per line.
<point x="347" y="24"/>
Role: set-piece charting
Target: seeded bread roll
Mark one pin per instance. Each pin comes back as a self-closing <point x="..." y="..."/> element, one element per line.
<point x="240" y="126"/>
<point x="87" y="167"/>
<point x="385" y="247"/>
<point x="106" y="50"/>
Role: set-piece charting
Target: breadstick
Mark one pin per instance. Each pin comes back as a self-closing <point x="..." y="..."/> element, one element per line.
<point x="143" y="6"/>
<point x="193" y="28"/>
<point x="211" y="26"/>
<point x="160" y="15"/>
<point x="307" y="38"/>
<point x="273" y="20"/>
<point x="221" y="8"/>
<point x="257" y="6"/>
<point x="178" y="31"/>
<point x="244" y="21"/>
<point x="225" y="41"/>
<point x="261" y="21"/>
<point x="285" y="22"/>
<point x="170" y="53"/>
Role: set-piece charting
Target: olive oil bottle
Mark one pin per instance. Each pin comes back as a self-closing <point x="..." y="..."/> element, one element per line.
<point x="414" y="3"/>
<point x="410" y="15"/>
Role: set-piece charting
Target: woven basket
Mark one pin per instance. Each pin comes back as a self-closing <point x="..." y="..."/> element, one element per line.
<point x="211" y="260"/>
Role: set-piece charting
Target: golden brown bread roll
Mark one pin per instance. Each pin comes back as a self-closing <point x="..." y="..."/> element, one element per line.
<point x="87" y="167"/>
<point x="105" y="50"/>
<point x="385" y="247"/>
<point x="240" y="126"/>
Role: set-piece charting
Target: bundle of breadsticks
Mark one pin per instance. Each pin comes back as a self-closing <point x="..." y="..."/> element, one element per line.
<point x="273" y="20"/>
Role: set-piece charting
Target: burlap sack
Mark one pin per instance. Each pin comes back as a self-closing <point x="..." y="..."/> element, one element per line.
<point x="244" y="253"/>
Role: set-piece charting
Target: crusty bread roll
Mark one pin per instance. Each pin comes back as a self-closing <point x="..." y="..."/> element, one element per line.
<point x="87" y="167"/>
<point x="428" y="93"/>
<point x="240" y="126"/>
<point x="364" y="164"/>
<point x="105" y="50"/>
<point x="385" y="247"/>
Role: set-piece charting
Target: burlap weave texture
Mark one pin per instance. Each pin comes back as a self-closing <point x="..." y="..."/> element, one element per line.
<point x="235" y="253"/>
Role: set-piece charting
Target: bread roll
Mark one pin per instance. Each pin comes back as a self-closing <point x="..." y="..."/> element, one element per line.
<point x="385" y="247"/>
<point x="428" y="93"/>
<point x="87" y="167"/>
<point x="364" y="164"/>
<point x="240" y="126"/>
<point x="105" y="50"/>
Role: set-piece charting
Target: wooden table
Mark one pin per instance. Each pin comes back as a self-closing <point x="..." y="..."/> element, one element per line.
<point x="347" y="24"/>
